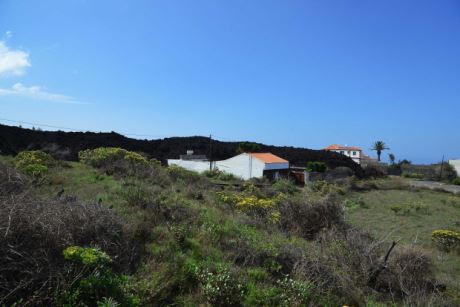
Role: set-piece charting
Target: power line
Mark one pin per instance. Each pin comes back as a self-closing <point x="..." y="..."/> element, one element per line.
<point x="75" y="129"/>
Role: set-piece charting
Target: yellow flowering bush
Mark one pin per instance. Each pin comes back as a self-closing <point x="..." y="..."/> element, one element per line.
<point x="34" y="162"/>
<point x="114" y="160"/>
<point x="446" y="240"/>
<point x="102" y="155"/>
<point x="87" y="256"/>
<point x="253" y="205"/>
<point x="95" y="280"/>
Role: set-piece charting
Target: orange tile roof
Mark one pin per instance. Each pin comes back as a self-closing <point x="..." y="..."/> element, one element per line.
<point x="268" y="158"/>
<point x="340" y="147"/>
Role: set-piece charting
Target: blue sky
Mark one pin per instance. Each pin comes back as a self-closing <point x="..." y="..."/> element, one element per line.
<point x="297" y="73"/>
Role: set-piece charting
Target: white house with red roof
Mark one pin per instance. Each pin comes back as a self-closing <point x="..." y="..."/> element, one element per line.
<point x="244" y="166"/>
<point x="355" y="153"/>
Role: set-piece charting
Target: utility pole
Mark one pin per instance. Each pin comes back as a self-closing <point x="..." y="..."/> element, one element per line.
<point x="210" y="153"/>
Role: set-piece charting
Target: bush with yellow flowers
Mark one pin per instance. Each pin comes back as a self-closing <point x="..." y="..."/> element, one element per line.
<point x="254" y="205"/>
<point x="446" y="240"/>
<point x="34" y="163"/>
<point x="95" y="281"/>
<point x="99" y="157"/>
<point x="114" y="160"/>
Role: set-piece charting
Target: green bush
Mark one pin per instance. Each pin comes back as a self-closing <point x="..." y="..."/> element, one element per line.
<point x="314" y="166"/>
<point x="220" y="286"/>
<point x="284" y="186"/>
<point x="34" y="163"/>
<point x="135" y="194"/>
<point x="259" y="296"/>
<point x="219" y="175"/>
<point x="96" y="282"/>
<point x="99" y="157"/>
<point x="413" y="175"/>
<point x="179" y="173"/>
<point x="456" y="181"/>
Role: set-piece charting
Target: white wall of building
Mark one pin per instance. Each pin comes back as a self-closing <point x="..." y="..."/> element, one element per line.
<point x="456" y="165"/>
<point x="355" y="155"/>
<point x="242" y="166"/>
<point x="196" y="166"/>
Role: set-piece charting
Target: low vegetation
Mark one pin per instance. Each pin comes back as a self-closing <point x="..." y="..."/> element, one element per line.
<point x="118" y="229"/>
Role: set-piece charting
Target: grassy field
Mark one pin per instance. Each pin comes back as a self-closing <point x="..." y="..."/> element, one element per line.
<point x="184" y="239"/>
<point x="417" y="214"/>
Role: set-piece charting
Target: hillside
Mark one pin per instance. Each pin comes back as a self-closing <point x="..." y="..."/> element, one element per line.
<point x="66" y="145"/>
<point x="115" y="229"/>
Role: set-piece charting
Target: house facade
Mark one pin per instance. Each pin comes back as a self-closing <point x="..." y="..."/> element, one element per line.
<point x="244" y="166"/>
<point x="456" y="165"/>
<point x="355" y="153"/>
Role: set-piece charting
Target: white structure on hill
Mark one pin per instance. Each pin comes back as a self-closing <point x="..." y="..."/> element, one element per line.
<point x="244" y="166"/>
<point x="355" y="153"/>
<point x="456" y="165"/>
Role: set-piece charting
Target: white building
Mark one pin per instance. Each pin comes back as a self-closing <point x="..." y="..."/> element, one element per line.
<point x="456" y="165"/>
<point x="355" y="153"/>
<point x="244" y="166"/>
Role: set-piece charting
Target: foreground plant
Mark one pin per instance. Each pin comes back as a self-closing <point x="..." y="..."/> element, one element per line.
<point x="446" y="240"/>
<point x="96" y="284"/>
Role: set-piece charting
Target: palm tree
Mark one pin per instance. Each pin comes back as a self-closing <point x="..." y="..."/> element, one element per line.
<point x="392" y="158"/>
<point x="379" y="146"/>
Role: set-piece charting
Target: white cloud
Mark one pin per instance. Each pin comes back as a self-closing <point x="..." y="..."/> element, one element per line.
<point x="37" y="93"/>
<point x="8" y="34"/>
<point x="12" y="62"/>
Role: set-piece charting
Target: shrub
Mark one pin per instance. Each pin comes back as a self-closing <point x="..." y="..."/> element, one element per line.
<point x="220" y="286"/>
<point x="456" y="181"/>
<point x="414" y="175"/>
<point x="113" y="160"/>
<point x="34" y="234"/>
<point x="135" y="194"/>
<point x="446" y="240"/>
<point x="339" y="260"/>
<point x="285" y="186"/>
<point x="307" y="217"/>
<point x="314" y="166"/>
<point x="453" y="201"/>
<point x="252" y="205"/>
<point x="353" y="204"/>
<point x="258" y="296"/>
<point x="223" y="176"/>
<point x="396" y="208"/>
<point x="401" y="209"/>
<point x="219" y="175"/>
<point x="11" y="181"/>
<point x="410" y="275"/>
<point x="374" y="171"/>
<point x="179" y="173"/>
<point x="324" y="188"/>
<point x="295" y="293"/>
<point x="34" y="163"/>
<point x="94" y="280"/>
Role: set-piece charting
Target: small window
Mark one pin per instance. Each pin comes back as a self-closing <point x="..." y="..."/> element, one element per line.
<point x="354" y="153"/>
<point x="342" y="152"/>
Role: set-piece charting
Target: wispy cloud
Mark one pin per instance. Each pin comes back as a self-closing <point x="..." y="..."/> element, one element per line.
<point x="37" y="93"/>
<point x="12" y="62"/>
